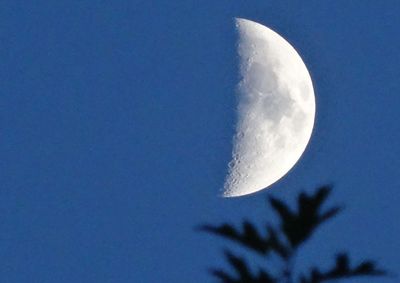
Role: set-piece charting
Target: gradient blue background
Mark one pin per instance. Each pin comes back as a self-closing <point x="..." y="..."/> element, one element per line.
<point x="116" y="120"/>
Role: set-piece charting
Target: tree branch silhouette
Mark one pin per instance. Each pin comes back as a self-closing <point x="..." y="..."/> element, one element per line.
<point x="295" y="228"/>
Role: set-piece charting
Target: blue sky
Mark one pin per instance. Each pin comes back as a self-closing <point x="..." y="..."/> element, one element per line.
<point x="116" y="126"/>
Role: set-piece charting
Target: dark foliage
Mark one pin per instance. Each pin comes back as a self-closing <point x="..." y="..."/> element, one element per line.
<point x="342" y="270"/>
<point x="295" y="228"/>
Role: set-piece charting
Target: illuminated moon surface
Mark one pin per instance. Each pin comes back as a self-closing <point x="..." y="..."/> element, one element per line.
<point x="275" y="114"/>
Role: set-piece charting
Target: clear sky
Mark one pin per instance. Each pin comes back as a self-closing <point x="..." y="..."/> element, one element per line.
<point x="116" y="121"/>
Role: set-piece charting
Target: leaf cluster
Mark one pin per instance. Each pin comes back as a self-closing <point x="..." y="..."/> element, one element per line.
<point x="295" y="228"/>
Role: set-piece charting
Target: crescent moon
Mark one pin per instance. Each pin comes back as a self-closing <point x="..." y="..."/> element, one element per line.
<point x="275" y="113"/>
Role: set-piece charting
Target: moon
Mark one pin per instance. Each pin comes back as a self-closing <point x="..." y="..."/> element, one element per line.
<point x="275" y="112"/>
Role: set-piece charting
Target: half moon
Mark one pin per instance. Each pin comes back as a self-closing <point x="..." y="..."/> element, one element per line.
<point x="275" y="114"/>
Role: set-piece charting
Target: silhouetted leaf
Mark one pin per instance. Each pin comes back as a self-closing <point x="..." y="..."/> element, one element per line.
<point x="239" y="265"/>
<point x="342" y="264"/>
<point x="282" y="209"/>
<point x="265" y="277"/>
<point x="299" y="226"/>
<point x="342" y="270"/>
<point x="251" y="238"/>
<point x="321" y="194"/>
<point x="242" y="270"/>
<point x="225" y="230"/>
<point x="276" y="244"/>
<point x="223" y="276"/>
<point x="243" y="274"/>
<point x="329" y="214"/>
<point x="369" y="268"/>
